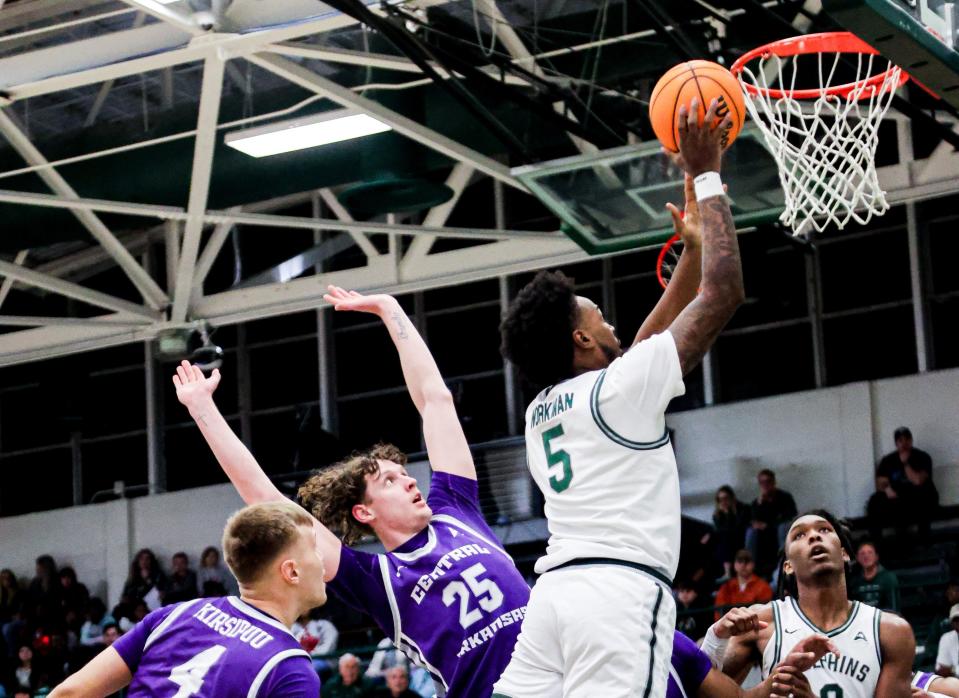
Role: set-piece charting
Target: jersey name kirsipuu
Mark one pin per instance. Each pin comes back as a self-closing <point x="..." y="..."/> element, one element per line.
<point x="216" y="647"/>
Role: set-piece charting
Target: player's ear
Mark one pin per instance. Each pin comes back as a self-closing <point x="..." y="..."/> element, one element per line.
<point x="290" y="571"/>
<point x="362" y="513"/>
<point x="787" y="567"/>
<point x="582" y="339"/>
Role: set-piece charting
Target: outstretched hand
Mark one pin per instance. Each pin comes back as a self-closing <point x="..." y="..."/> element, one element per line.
<point x="192" y="387"/>
<point x="701" y="144"/>
<point x="341" y="299"/>
<point x="688" y="224"/>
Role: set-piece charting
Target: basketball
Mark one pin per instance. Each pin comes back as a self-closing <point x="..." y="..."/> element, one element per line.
<point x="703" y="79"/>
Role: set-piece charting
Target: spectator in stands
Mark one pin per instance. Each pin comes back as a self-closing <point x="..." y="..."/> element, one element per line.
<point x="909" y="470"/>
<point x="882" y="509"/>
<point x="318" y="636"/>
<point x="348" y="683"/>
<point x="45" y="591"/>
<point x="692" y="611"/>
<point x="111" y="632"/>
<point x="745" y="588"/>
<point x="181" y="586"/>
<point x="25" y="675"/>
<point x="397" y="685"/>
<point x="871" y="583"/>
<point x="730" y="519"/>
<point x="11" y="609"/>
<point x="123" y="613"/>
<point x="947" y="659"/>
<point x="91" y="634"/>
<point x="941" y="623"/>
<point x="213" y="577"/>
<point x="75" y="598"/>
<point x="146" y="581"/>
<point x="772" y="512"/>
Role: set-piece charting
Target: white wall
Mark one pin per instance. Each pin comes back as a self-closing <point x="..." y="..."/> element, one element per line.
<point x="823" y="445"/>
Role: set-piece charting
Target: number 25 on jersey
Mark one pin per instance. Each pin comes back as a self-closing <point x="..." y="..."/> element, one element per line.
<point x="559" y="477"/>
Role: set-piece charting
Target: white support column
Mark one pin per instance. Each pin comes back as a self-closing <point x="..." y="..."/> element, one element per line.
<point x="324" y="346"/>
<point x="148" y="288"/>
<point x="309" y="80"/>
<point x="709" y="382"/>
<point x="156" y="463"/>
<point x="509" y="375"/>
<point x="814" y="309"/>
<point x="918" y="298"/>
<point x="210" y="91"/>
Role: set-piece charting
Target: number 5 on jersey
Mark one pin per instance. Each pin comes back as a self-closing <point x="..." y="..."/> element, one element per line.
<point x="559" y="478"/>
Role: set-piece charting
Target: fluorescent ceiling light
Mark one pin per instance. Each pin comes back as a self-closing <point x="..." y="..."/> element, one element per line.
<point x="309" y="132"/>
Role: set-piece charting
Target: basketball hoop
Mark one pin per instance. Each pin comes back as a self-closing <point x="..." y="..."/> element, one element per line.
<point x="823" y="137"/>
<point x="668" y="259"/>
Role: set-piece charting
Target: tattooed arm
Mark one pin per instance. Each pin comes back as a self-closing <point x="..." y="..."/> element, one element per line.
<point x="721" y="293"/>
<point x="446" y="443"/>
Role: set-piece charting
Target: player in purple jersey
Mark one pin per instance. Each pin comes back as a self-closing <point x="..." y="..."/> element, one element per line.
<point x="926" y="685"/>
<point x="444" y="591"/>
<point x="226" y="647"/>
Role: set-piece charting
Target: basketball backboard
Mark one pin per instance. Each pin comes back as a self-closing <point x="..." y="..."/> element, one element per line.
<point x="616" y="199"/>
<point x="921" y="36"/>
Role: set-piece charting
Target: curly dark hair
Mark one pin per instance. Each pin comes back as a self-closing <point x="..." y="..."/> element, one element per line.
<point x="787" y="585"/>
<point x="544" y="314"/>
<point x="331" y="494"/>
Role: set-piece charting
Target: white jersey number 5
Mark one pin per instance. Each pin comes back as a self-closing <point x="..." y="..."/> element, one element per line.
<point x="487" y="594"/>
<point x="189" y="675"/>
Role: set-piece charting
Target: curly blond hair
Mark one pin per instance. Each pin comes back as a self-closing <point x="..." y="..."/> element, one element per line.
<point x="332" y="493"/>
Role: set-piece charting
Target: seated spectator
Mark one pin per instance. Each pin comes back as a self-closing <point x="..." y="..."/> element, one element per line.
<point x="317" y="636"/>
<point x="692" y="611"/>
<point x="348" y="683"/>
<point x="146" y="581"/>
<point x="871" y="583"/>
<point x="730" y="519"/>
<point x="11" y="609"/>
<point x="181" y="585"/>
<point x="772" y="512"/>
<point x="111" y="632"/>
<point x="909" y="470"/>
<point x="941" y="623"/>
<point x="397" y="685"/>
<point x="123" y="613"/>
<point x="25" y="675"/>
<point x="213" y="577"/>
<point x="745" y="588"/>
<point x="882" y="509"/>
<point x="74" y="598"/>
<point x="91" y="634"/>
<point x="385" y="658"/>
<point x="44" y="592"/>
<point x="947" y="659"/>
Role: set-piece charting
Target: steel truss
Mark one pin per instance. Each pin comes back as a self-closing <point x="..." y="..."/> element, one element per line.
<point x="183" y="304"/>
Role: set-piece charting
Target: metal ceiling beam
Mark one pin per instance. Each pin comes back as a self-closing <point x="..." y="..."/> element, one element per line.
<point x="72" y="290"/>
<point x="151" y="292"/>
<point x="170" y="15"/>
<point x="339" y="210"/>
<point x="107" y="87"/>
<point x="263" y="219"/>
<point x="213" y="246"/>
<point x="210" y="92"/>
<point x="46" y="321"/>
<point x="7" y="284"/>
<point x="344" y="96"/>
<point x="458" y="180"/>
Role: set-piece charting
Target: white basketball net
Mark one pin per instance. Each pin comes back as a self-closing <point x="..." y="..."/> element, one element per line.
<point x="825" y="147"/>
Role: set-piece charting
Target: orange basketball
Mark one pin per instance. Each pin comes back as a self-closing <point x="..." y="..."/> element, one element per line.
<point x="703" y="79"/>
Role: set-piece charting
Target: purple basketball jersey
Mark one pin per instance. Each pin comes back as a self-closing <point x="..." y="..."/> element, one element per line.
<point x="219" y="647"/>
<point x="688" y="668"/>
<point x="450" y="597"/>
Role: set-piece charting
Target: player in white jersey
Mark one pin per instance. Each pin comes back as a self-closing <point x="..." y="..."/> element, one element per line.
<point x="926" y="685"/>
<point x="601" y="618"/>
<point x="873" y="650"/>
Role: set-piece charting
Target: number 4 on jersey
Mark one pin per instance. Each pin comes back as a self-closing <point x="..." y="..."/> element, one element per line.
<point x="189" y="675"/>
<point x="559" y="479"/>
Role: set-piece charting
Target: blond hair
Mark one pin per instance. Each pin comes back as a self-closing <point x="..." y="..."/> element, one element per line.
<point x="331" y="494"/>
<point x="255" y="535"/>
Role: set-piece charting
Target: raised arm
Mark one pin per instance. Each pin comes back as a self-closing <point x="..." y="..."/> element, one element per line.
<point x="446" y="443"/>
<point x="684" y="284"/>
<point x="195" y="392"/>
<point x="722" y="292"/>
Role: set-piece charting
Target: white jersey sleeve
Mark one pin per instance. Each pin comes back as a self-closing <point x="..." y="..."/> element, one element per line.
<point x="948" y="650"/>
<point x="639" y="384"/>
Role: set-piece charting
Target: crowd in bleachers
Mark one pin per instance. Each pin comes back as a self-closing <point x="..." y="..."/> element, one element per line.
<point x="52" y="625"/>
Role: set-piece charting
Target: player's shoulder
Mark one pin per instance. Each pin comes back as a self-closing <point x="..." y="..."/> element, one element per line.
<point x="895" y="636"/>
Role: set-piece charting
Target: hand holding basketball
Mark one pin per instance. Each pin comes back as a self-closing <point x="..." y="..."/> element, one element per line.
<point x="701" y="144"/>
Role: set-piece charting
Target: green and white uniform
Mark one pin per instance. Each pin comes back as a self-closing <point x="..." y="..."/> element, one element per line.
<point x="852" y="675"/>
<point x="600" y="620"/>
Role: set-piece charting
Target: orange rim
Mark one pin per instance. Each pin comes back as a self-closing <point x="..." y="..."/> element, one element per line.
<point x="826" y="42"/>
<point x="662" y="257"/>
